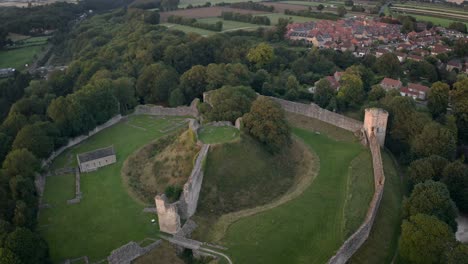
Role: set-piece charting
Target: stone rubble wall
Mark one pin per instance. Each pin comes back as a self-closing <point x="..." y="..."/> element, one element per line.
<point x="77" y="140"/>
<point x="168" y="216"/>
<point x="355" y="241"/>
<point x="189" y="198"/>
<point x="238" y="123"/>
<point x="314" y="111"/>
<point x="168" y="111"/>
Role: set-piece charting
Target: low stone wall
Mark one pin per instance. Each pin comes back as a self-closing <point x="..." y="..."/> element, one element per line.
<point x="75" y="141"/>
<point x="314" y="111"/>
<point x="189" y="199"/>
<point x="168" y="111"/>
<point x="355" y="241"/>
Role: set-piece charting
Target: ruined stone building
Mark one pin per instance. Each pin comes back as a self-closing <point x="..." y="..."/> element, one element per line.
<point x="93" y="160"/>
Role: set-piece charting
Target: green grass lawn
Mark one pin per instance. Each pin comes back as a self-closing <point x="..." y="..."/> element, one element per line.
<point x="188" y="29"/>
<point x="107" y="216"/>
<point x="185" y="3"/>
<point x="307" y="3"/>
<point x="228" y="24"/>
<point x="360" y="189"/>
<point x="17" y="58"/>
<point x="445" y="22"/>
<point x="382" y="243"/>
<point x="218" y="134"/>
<point x="308" y="229"/>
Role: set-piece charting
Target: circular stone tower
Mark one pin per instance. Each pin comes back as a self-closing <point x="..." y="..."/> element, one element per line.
<point x="375" y="122"/>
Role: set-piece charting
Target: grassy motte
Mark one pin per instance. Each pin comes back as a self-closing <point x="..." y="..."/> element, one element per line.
<point x="242" y="175"/>
<point x="163" y="166"/>
<point x="218" y="134"/>
<point x="107" y="217"/>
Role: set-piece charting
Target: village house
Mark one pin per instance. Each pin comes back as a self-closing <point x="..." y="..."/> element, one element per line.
<point x="454" y="65"/>
<point x="390" y="84"/>
<point x="414" y="58"/>
<point x="334" y="81"/>
<point x="416" y="91"/>
<point x="93" y="160"/>
<point x="401" y="56"/>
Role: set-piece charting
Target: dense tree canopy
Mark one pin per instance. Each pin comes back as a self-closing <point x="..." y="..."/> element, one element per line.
<point x="431" y="198"/>
<point x="424" y="239"/>
<point x="266" y="122"/>
<point x="229" y="103"/>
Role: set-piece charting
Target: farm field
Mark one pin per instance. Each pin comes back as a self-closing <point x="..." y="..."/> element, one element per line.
<point x="312" y="224"/>
<point x="185" y="3"/>
<point x="382" y="243"/>
<point x="17" y="58"/>
<point x="235" y="25"/>
<point x="435" y="13"/>
<point x="107" y="216"/>
<point x="214" y="11"/>
<point x="432" y="8"/>
<point x="445" y="22"/>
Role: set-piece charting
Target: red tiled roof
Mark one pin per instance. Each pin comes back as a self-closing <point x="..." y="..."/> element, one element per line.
<point x="418" y="87"/>
<point x="390" y="82"/>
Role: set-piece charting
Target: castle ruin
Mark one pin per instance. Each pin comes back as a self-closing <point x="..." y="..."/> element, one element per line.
<point x="375" y="121"/>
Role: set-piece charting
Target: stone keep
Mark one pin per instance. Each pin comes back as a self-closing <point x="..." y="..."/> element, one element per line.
<point x="375" y="121"/>
<point x="168" y="217"/>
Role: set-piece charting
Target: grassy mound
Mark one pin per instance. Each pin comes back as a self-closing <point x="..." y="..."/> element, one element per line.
<point x="218" y="134"/>
<point x="243" y="174"/>
<point x="164" y="164"/>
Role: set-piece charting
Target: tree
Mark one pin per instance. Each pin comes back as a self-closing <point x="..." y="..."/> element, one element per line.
<point x="461" y="48"/>
<point x="351" y="91"/>
<point x="35" y="139"/>
<point x="455" y="176"/>
<point x="420" y="171"/>
<point x="431" y="198"/>
<point x="458" y="26"/>
<point x="320" y="7"/>
<point x="457" y="255"/>
<point x="8" y="257"/>
<point x="229" y="103"/>
<point x="459" y="98"/>
<point x="176" y="98"/>
<point x="376" y="93"/>
<point x="424" y="239"/>
<point x="281" y="27"/>
<point x="193" y="82"/>
<point x="152" y="18"/>
<point x="124" y="91"/>
<point x="155" y="83"/>
<point x="388" y="65"/>
<point x="323" y="93"/>
<point x="434" y="139"/>
<point x="266" y="122"/>
<point x="28" y="246"/>
<point x="261" y="54"/>
<point x="20" y="162"/>
<point x="438" y="98"/>
<point x="341" y="11"/>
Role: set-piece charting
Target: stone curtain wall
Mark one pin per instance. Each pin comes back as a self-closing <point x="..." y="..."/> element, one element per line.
<point x="75" y="141"/>
<point x="189" y="198"/>
<point x="355" y="241"/>
<point x="168" y="216"/>
<point x="168" y="111"/>
<point x="314" y="111"/>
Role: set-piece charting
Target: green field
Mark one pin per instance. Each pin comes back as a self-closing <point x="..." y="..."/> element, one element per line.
<point x="17" y="58"/>
<point x="184" y="3"/>
<point x="445" y="22"/>
<point x="423" y="6"/>
<point x="107" y="217"/>
<point x="218" y="134"/>
<point x="308" y="229"/>
<point x="382" y="243"/>
<point x="235" y="25"/>
<point x="307" y="3"/>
